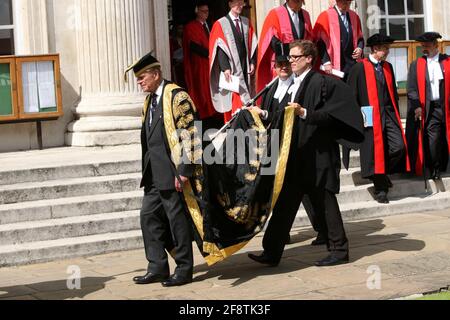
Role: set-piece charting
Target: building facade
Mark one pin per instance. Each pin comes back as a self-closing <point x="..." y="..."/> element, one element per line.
<point x="97" y="39"/>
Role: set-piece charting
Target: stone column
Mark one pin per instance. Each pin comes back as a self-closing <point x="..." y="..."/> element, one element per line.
<point x="110" y="35"/>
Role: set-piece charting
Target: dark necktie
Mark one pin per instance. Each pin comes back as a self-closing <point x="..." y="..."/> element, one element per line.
<point x="379" y="72"/>
<point x="205" y="27"/>
<point x="238" y="27"/>
<point x="153" y="108"/>
<point x="345" y="21"/>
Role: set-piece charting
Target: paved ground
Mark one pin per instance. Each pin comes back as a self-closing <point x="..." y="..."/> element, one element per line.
<point x="411" y="251"/>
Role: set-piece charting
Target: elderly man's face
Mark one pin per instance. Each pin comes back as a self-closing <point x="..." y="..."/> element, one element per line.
<point x="283" y="70"/>
<point x="149" y="81"/>
<point x="430" y="48"/>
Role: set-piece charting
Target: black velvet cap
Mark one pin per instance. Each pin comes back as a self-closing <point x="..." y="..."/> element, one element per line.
<point x="146" y="62"/>
<point x="379" y="39"/>
<point x="428" y="37"/>
<point x="282" y="52"/>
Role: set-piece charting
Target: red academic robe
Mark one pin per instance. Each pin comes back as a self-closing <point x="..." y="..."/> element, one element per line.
<point x="276" y="24"/>
<point x="196" y="69"/>
<point x="222" y="37"/>
<point x="372" y="91"/>
<point x="421" y="85"/>
<point x="327" y="29"/>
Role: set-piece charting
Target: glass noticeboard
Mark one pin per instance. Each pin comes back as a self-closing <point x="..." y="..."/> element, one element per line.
<point x="38" y="81"/>
<point x="39" y="91"/>
<point x="8" y="100"/>
<point x="30" y="88"/>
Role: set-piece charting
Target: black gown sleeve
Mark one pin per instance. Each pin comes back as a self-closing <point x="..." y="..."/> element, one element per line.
<point x="224" y="63"/>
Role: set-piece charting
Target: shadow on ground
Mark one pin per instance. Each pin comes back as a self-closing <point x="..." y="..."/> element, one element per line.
<point x="58" y="290"/>
<point x="363" y="243"/>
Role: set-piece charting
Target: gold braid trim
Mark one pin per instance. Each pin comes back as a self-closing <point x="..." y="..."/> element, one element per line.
<point x="191" y="202"/>
<point x="288" y="126"/>
<point x="145" y="108"/>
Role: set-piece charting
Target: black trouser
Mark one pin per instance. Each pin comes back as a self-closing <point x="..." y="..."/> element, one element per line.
<point x="434" y="131"/>
<point x="165" y="225"/>
<point x="286" y="209"/>
<point x="314" y="206"/>
<point x="394" y="148"/>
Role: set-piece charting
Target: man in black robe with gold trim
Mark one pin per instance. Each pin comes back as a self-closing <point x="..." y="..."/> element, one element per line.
<point x="164" y="220"/>
<point x="326" y="114"/>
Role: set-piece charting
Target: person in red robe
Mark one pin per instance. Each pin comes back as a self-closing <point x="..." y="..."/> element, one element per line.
<point x="339" y="37"/>
<point x="232" y="55"/>
<point x="384" y="150"/>
<point x="196" y="65"/>
<point x="283" y="24"/>
<point x="427" y="125"/>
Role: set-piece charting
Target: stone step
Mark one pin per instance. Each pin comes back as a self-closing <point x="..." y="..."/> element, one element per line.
<point x="53" y="229"/>
<point x="371" y="209"/>
<point x="33" y="191"/>
<point x="44" y="251"/>
<point x="61" y="172"/>
<point x="70" y="207"/>
<point x="402" y="188"/>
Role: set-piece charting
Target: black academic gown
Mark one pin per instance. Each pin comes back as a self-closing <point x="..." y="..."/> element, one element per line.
<point x="314" y="161"/>
<point x="412" y="126"/>
<point x="333" y="118"/>
<point x="157" y="167"/>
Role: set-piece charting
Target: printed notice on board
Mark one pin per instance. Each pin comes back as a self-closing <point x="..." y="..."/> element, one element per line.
<point x="30" y="87"/>
<point x="46" y="85"/>
<point x="39" y="91"/>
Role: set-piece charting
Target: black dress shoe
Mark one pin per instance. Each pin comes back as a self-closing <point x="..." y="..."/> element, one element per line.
<point x="436" y="175"/>
<point x="150" y="278"/>
<point x="176" y="281"/>
<point x="332" y="260"/>
<point x="264" y="259"/>
<point x="382" y="198"/>
<point x="319" y="241"/>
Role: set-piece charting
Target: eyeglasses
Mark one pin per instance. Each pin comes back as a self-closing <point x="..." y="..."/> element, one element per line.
<point x="295" y="57"/>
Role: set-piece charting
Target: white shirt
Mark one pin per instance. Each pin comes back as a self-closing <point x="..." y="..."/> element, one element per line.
<point x="159" y="91"/>
<point x="283" y="86"/>
<point x="296" y="86"/>
<point x="233" y="18"/>
<point x="373" y="60"/>
<point x="295" y="19"/>
<point x="344" y="18"/>
<point x="436" y="75"/>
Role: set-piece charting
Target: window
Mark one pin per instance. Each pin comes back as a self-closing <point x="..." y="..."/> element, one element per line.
<point x="402" y="19"/>
<point x="6" y="28"/>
